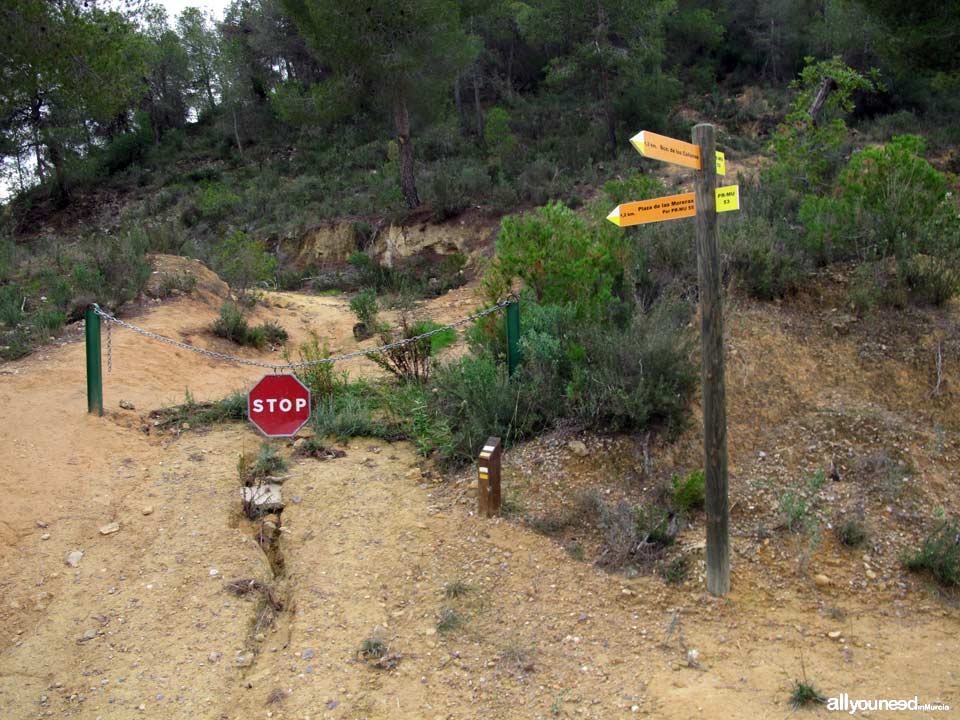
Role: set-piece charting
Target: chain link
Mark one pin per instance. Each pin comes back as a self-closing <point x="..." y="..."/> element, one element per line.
<point x="287" y="366"/>
<point x="109" y="346"/>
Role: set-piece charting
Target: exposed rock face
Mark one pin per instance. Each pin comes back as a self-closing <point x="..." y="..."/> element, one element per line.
<point x="333" y="243"/>
<point x="174" y="266"/>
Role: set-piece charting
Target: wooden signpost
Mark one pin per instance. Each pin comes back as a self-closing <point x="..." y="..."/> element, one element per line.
<point x="704" y="203"/>
<point x="488" y="478"/>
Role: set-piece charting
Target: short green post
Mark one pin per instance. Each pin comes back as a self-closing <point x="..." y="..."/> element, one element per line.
<point x="94" y="368"/>
<point x="513" y="336"/>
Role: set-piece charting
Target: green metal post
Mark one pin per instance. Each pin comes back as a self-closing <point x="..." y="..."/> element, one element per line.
<point x="94" y="368"/>
<point x="513" y="336"/>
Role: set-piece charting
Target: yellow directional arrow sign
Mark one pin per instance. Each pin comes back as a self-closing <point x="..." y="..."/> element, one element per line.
<point x="671" y="207"/>
<point x="678" y="152"/>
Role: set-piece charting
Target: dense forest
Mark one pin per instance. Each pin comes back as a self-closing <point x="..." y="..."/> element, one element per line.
<point x="220" y="139"/>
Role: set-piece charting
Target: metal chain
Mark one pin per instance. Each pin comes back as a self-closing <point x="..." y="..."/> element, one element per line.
<point x="109" y="347"/>
<point x="289" y="366"/>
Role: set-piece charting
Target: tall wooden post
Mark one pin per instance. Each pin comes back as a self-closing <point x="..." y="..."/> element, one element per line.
<point x="488" y="478"/>
<point x="714" y="392"/>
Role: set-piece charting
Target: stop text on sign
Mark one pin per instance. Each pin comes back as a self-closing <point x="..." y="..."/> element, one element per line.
<point x="278" y="405"/>
<point x="273" y="404"/>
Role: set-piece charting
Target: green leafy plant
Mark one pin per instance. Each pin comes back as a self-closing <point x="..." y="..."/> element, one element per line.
<point x="939" y="554"/>
<point x="689" y="492"/>
<point x="804" y="694"/>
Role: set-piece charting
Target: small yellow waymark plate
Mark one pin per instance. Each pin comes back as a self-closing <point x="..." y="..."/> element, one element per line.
<point x="728" y="198"/>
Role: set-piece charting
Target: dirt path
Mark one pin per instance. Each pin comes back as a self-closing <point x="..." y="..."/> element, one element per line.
<point x="143" y="626"/>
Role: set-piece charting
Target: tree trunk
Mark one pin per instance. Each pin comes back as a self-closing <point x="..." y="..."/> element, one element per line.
<point x="458" y="101"/>
<point x="510" y="70"/>
<point x="401" y="118"/>
<point x="827" y="86"/>
<point x="55" y="151"/>
<point x="236" y="131"/>
<point x="476" y="101"/>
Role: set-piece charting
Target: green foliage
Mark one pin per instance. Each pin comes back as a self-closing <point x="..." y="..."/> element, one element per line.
<point x="243" y="261"/>
<point x="195" y="414"/>
<point x="804" y="694"/>
<point x="676" y="571"/>
<point x="266" y="463"/>
<point x="939" y="554"/>
<point x="560" y="258"/>
<point x="232" y="325"/>
<point x="889" y="201"/>
<point x="500" y="140"/>
<point x="12" y="302"/>
<point x="321" y="379"/>
<point x="373" y="648"/>
<point x="364" y="306"/>
<point x="450" y="619"/>
<point x="851" y="533"/>
<point x="689" y="492"/>
<point x="764" y="265"/>
<point x="799" y="504"/>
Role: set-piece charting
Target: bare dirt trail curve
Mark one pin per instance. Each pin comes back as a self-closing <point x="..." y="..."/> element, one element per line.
<point x="143" y="627"/>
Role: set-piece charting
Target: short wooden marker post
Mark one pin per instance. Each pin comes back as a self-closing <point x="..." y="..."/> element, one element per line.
<point x="488" y="478"/>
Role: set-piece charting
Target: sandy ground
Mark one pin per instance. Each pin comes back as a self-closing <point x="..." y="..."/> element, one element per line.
<point x="143" y="627"/>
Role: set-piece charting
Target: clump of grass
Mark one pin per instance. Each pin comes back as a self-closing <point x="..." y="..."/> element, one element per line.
<point x="575" y="550"/>
<point x="266" y="463"/>
<point x="939" y="555"/>
<point x="799" y="504"/>
<point x="512" y="506"/>
<point x="851" y="533"/>
<point x="449" y="620"/>
<point x="804" y="694"/>
<point x="689" y="493"/>
<point x="176" y="283"/>
<point x="456" y="588"/>
<point x="373" y="648"/>
<point x="233" y="326"/>
<point x="192" y="414"/>
<point x="676" y="571"/>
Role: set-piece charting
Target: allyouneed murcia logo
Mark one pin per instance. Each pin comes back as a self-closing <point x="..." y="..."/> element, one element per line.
<point x="844" y="703"/>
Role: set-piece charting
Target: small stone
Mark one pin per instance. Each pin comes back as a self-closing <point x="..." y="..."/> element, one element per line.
<point x="213" y="657"/>
<point x="214" y="572"/>
<point x="88" y="635"/>
<point x="41" y="524"/>
<point x="45" y="536"/>
<point x="147" y="510"/>
<point x="821" y="580"/>
<point x="833" y="634"/>
<point x="127" y="405"/>
<point x="414" y="474"/>
<point x="73" y="559"/>
<point x="578" y="447"/>
<point x="871" y="574"/>
<point x="110" y="528"/>
<point x="297" y="499"/>
<point x="473" y="486"/>
<point x="306" y="654"/>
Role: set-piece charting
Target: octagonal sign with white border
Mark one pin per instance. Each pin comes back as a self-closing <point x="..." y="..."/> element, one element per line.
<point x="278" y="405"/>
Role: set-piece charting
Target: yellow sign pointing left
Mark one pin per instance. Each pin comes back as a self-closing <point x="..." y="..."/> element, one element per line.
<point x="671" y="207"/>
<point x="668" y="149"/>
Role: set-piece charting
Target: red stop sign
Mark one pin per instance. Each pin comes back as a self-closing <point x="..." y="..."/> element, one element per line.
<point x="278" y="405"/>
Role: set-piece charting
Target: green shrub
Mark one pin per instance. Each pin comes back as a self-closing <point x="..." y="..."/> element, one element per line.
<point x="454" y="185"/>
<point x="243" y="261"/>
<point x="201" y="414"/>
<point x="231" y="325"/>
<point x="939" y="554"/>
<point x="764" y="266"/>
<point x="888" y="202"/>
<point x="560" y="257"/>
<point x="689" y="493"/>
<point x="676" y="571"/>
<point x="321" y="379"/>
<point x="364" y="306"/>
<point x="805" y="694"/>
<point x="12" y="302"/>
<point x="851" y="533"/>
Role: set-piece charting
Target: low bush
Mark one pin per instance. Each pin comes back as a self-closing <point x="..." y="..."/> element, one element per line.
<point x="321" y="378"/>
<point x="851" y="533"/>
<point x="364" y="306"/>
<point x="939" y="554"/>
<point x="689" y="493"/>
<point x="233" y="326"/>
<point x="192" y="414"/>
